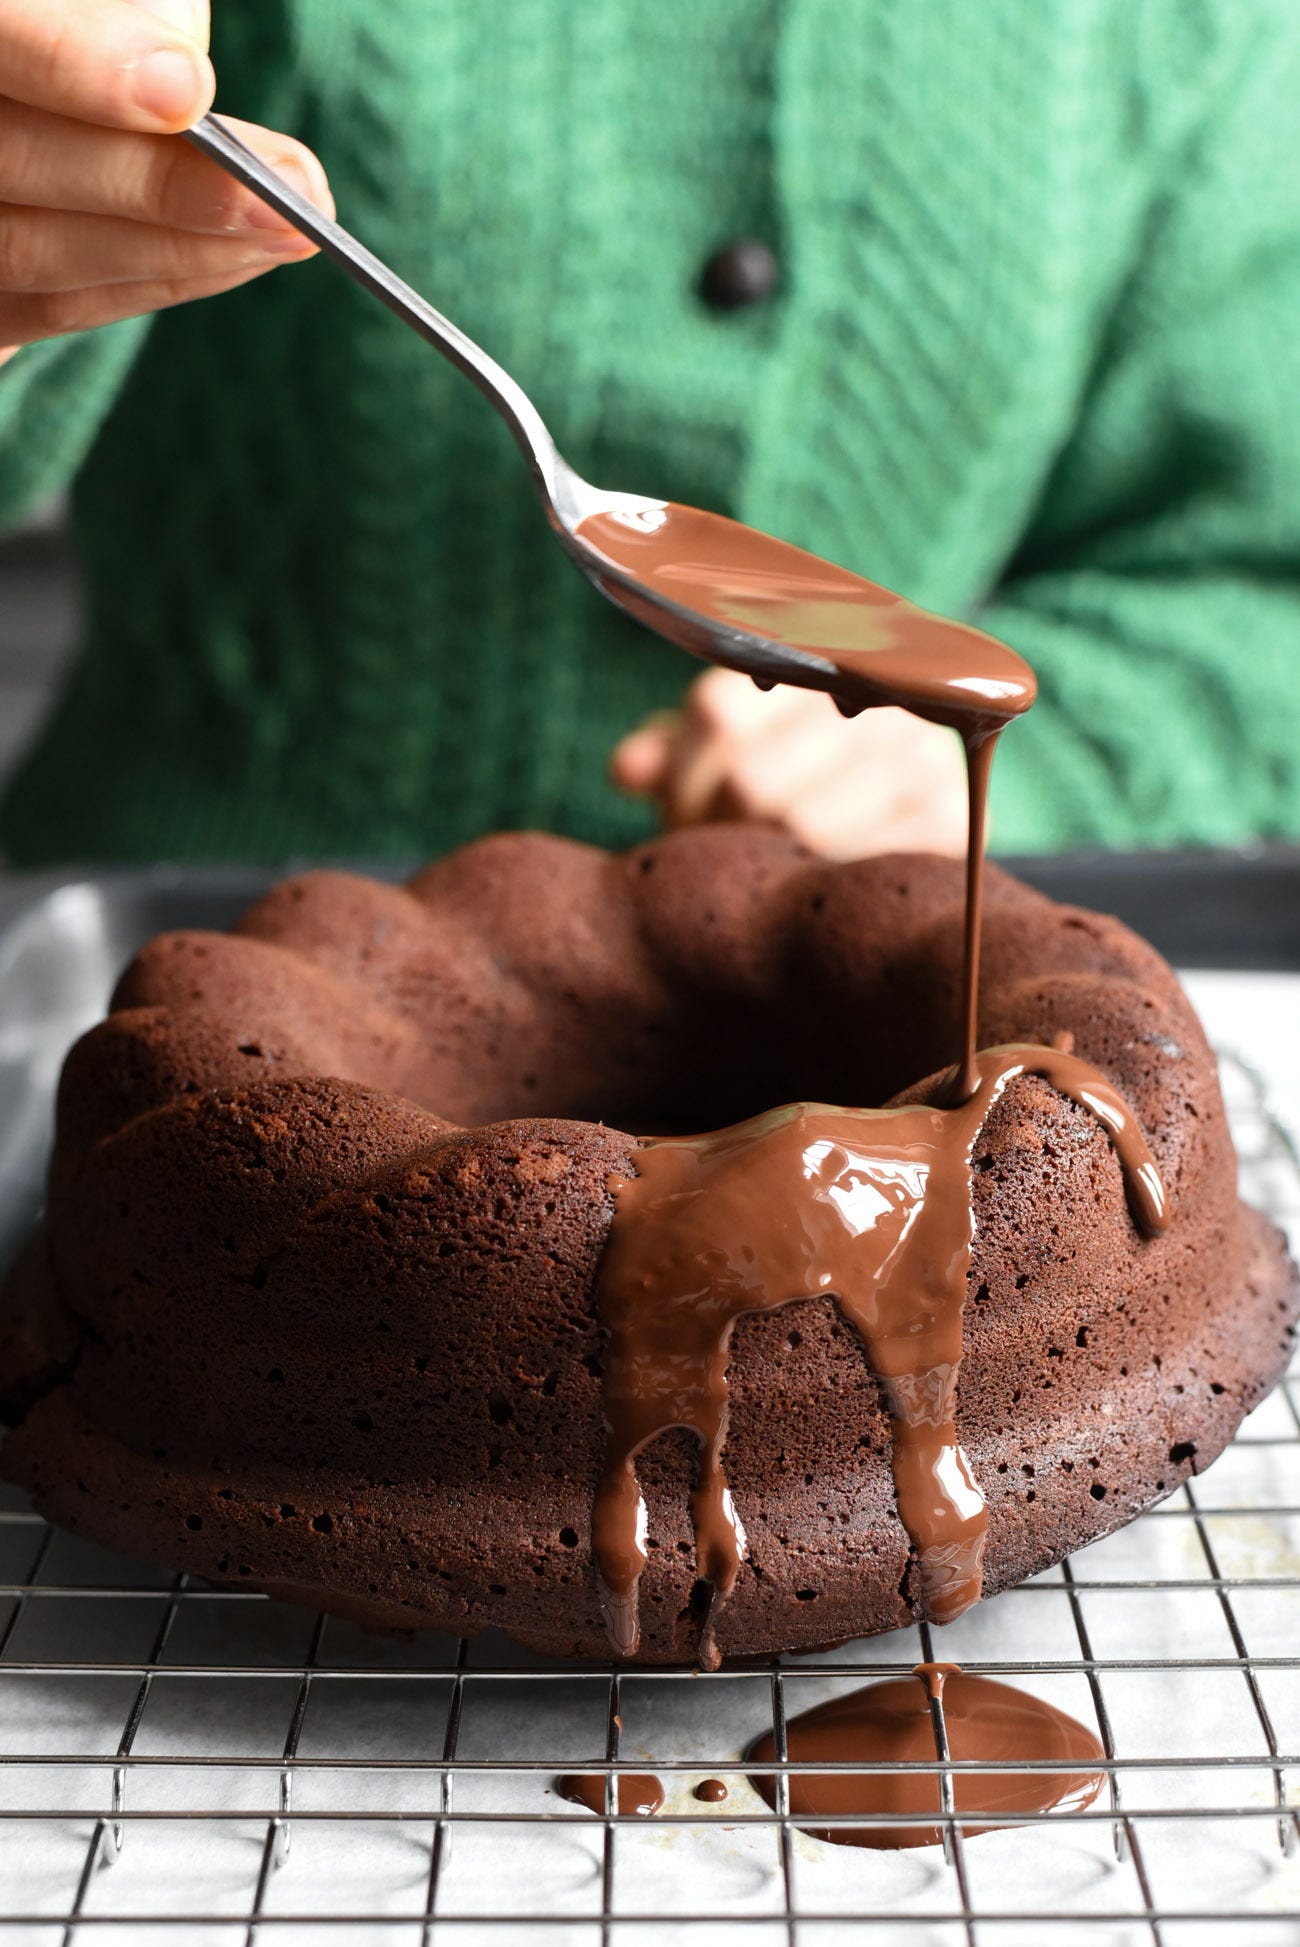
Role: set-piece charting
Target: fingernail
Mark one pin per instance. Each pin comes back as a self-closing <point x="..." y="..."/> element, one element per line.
<point x="279" y="243"/>
<point x="169" y="84"/>
<point x="260" y="216"/>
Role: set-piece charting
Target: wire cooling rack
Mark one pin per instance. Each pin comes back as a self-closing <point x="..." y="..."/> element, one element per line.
<point x="191" y="1764"/>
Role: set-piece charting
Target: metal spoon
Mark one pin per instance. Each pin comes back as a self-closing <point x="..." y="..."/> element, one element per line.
<point x="681" y="569"/>
<point x="568" y="499"/>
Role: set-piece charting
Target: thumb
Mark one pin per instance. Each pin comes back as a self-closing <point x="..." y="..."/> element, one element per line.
<point x="639" y="762"/>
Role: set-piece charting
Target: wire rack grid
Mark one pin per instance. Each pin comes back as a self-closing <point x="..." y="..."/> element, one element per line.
<point x="191" y="1764"/>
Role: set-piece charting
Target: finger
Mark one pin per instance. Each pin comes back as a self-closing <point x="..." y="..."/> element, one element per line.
<point x="902" y="755"/>
<point x="48" y="162"/>
<point x="682" y="754"/>
<point x="767" y="771"/>
<point x="722" y="709"/>
<point x="724" y="700"/>
<point x="697" y="764"/>
<point x="844" y="820"/>
<point x="920" y="831"/>
<point x="27" y="318"/>
<point x="48" y="250"/>
<point x="640" y="760"/>
<point x="856" y="809"/>
<point x="104" y="61"/>
<point x="916" y="830"/>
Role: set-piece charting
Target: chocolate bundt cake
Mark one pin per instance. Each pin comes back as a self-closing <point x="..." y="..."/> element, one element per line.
<point x="318" y="1302"/>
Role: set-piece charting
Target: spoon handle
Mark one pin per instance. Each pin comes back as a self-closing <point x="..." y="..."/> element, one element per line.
<point x="223" y="146"/>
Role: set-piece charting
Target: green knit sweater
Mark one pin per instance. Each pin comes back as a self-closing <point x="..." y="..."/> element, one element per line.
<point x="1035" y="357"/>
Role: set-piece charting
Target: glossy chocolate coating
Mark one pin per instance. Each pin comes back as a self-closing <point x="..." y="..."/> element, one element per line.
<point x="636" y="1792"/>
<point x="863" y="643"/>
<point x="871" y="1207"/>
<point x="893" y="1722"/>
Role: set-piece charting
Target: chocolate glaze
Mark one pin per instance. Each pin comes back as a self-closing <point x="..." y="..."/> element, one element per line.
<point x="860" y="641"/>
<point x="711" y="1791"/>
<point x="894" y="1721"/>
<point x="635" y="1792"/>
<point x="934" y="1676"/>
<point x="870" y="1207"/>
<point x="980" y="750"/>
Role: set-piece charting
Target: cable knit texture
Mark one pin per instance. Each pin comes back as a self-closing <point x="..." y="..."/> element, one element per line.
<point x="1034" y="358"/>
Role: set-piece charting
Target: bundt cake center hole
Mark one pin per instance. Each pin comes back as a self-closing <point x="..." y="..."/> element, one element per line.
<point x="696" y="1068"/>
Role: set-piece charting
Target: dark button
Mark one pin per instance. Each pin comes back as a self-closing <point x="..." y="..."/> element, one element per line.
<point x="743" y="272"/>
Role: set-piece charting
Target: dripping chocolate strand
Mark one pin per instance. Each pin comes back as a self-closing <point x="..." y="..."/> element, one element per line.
<point x="870" y="1207"/>
<point x="861" y="642"/>
<point x="979" y="747"/>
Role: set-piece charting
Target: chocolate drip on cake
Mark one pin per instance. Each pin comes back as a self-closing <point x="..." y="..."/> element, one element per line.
<point x="870" y="1207"/>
